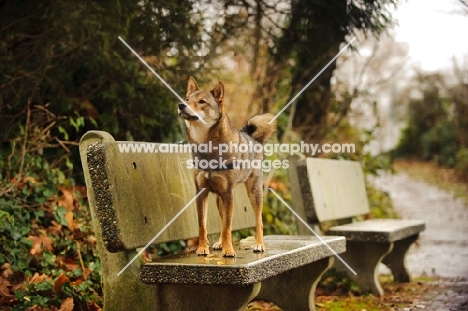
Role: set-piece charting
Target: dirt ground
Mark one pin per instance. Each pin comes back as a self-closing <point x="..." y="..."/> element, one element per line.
<point x="441" y="253"/>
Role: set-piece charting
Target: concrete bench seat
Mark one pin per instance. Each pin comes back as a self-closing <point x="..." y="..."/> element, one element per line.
<point x="378" y="230"/>
<point x="327" y="190"/>
<point x="133" y="195"/>
<point x="247" y="268"/>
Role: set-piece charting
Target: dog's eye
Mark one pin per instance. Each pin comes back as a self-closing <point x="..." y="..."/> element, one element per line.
<point x="202" y="101"/>
<point x="186" y="99"/>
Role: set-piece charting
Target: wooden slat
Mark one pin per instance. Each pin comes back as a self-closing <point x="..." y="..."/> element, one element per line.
<point x="137" y="194"/>
<point x="338" y="188"/>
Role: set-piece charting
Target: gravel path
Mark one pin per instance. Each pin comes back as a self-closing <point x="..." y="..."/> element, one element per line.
<point x="442" y="249"/>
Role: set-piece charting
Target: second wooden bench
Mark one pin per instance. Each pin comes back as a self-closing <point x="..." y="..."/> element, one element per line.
<point x="334" y="190"/>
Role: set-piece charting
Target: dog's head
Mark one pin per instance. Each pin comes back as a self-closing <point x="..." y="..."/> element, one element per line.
<point x="206" y="105"/>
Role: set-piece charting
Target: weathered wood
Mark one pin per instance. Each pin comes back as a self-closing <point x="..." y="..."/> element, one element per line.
<point x="120" y="293"/>
<point x="132" y="196"/>
<point x="130" y="188"/>
<point x="338" y="188"/>
<point x="339" y="194"/>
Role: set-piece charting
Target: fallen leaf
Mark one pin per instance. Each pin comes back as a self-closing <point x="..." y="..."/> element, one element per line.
<point x="6" y="270"/>
<point x="71" y="224"/>
<point x="94" y="307"/>
<point x="66" y="200"/>
<point x="77" y="282"/>
<point x="36" y="278"/>
<point x="92" y="240"/>
<point x="4" y="287"/>
<point x="62" y="279"/>
<point x="67" y="262"/>
<point x="82" y="191"/>
<point x="67" y="304"/>
<point x="28" y="179"/>
<point x="39" y="243"/>
<point x="55" y="229"/>
<point x="278" y="186"/>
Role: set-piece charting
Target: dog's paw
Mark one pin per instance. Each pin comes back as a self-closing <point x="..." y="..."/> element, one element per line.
<point x="259" y="248"/>
<point x="203" y="251"/>
<point x="218" y="246"/>
<point x="229" y="252"/>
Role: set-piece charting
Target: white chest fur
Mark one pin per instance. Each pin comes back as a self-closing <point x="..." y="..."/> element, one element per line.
<point x="198" y="131"/>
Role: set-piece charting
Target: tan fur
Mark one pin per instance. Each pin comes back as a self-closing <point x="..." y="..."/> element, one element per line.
<point x="219" y="130"/>
<point x="264" y="129"/>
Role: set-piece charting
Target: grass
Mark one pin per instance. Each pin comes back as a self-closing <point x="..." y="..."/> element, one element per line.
<point x="397" y="296"/>
<point x="445" y="178"/>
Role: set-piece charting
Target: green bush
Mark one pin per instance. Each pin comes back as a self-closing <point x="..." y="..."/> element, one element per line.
<point x="436" y="124"/>
<point x="440" y="143"/>
<point x="408" y="144"/>
<point x="47" y="247"/>
<point x="461" y="162"/>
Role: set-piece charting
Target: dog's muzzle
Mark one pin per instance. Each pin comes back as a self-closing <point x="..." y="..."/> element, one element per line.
<point x="184" y="114"/>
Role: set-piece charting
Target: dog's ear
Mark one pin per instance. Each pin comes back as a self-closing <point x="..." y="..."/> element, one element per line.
<point x="192" y="86"/>
<point x="218" y="92"/>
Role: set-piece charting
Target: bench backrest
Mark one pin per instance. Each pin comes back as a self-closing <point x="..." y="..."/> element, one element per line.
<point x="328" y="189"/>
<point x="133" y="195"/>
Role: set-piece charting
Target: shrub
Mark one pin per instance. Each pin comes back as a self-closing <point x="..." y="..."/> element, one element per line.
<point x="440" y="143"/>
<point x="461" y="162"/>
<point x="47" y="247"/>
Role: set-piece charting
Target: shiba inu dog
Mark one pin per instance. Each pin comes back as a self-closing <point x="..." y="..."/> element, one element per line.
<point x="224" y="173"/>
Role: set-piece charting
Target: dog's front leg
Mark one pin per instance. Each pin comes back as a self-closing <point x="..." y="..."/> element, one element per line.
<point x="202" y="206"/>
<point x="219" y="202"/>
<point x="226" y="211"/>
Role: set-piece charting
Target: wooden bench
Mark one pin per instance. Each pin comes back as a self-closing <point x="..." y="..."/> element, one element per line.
<point x="132" y="196"/>
<point x="334" y="190"/>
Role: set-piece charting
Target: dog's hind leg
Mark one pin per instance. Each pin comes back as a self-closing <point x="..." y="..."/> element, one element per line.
<point x="255" y="193"/>
<point x="202" y="206"/>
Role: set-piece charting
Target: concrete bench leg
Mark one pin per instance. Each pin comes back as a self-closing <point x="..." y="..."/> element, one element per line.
<point x="205" y="297"/>
<point x="364" y="258"/>
<point x="124" y="292"/>
<point x="295" y="289"/>
<point x="395" y="260"/>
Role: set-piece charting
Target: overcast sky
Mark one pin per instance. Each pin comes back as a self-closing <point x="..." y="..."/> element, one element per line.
<point x="435" y="30"/>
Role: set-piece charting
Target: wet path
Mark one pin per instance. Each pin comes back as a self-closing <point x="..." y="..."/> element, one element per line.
<point x="442" y="249"/>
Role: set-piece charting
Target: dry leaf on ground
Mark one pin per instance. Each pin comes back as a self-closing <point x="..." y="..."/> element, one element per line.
<point x="67" y="304"/>
<point x="39" y="243"/>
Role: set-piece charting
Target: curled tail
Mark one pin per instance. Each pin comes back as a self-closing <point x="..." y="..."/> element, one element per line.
<point x="259" y="128"/>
